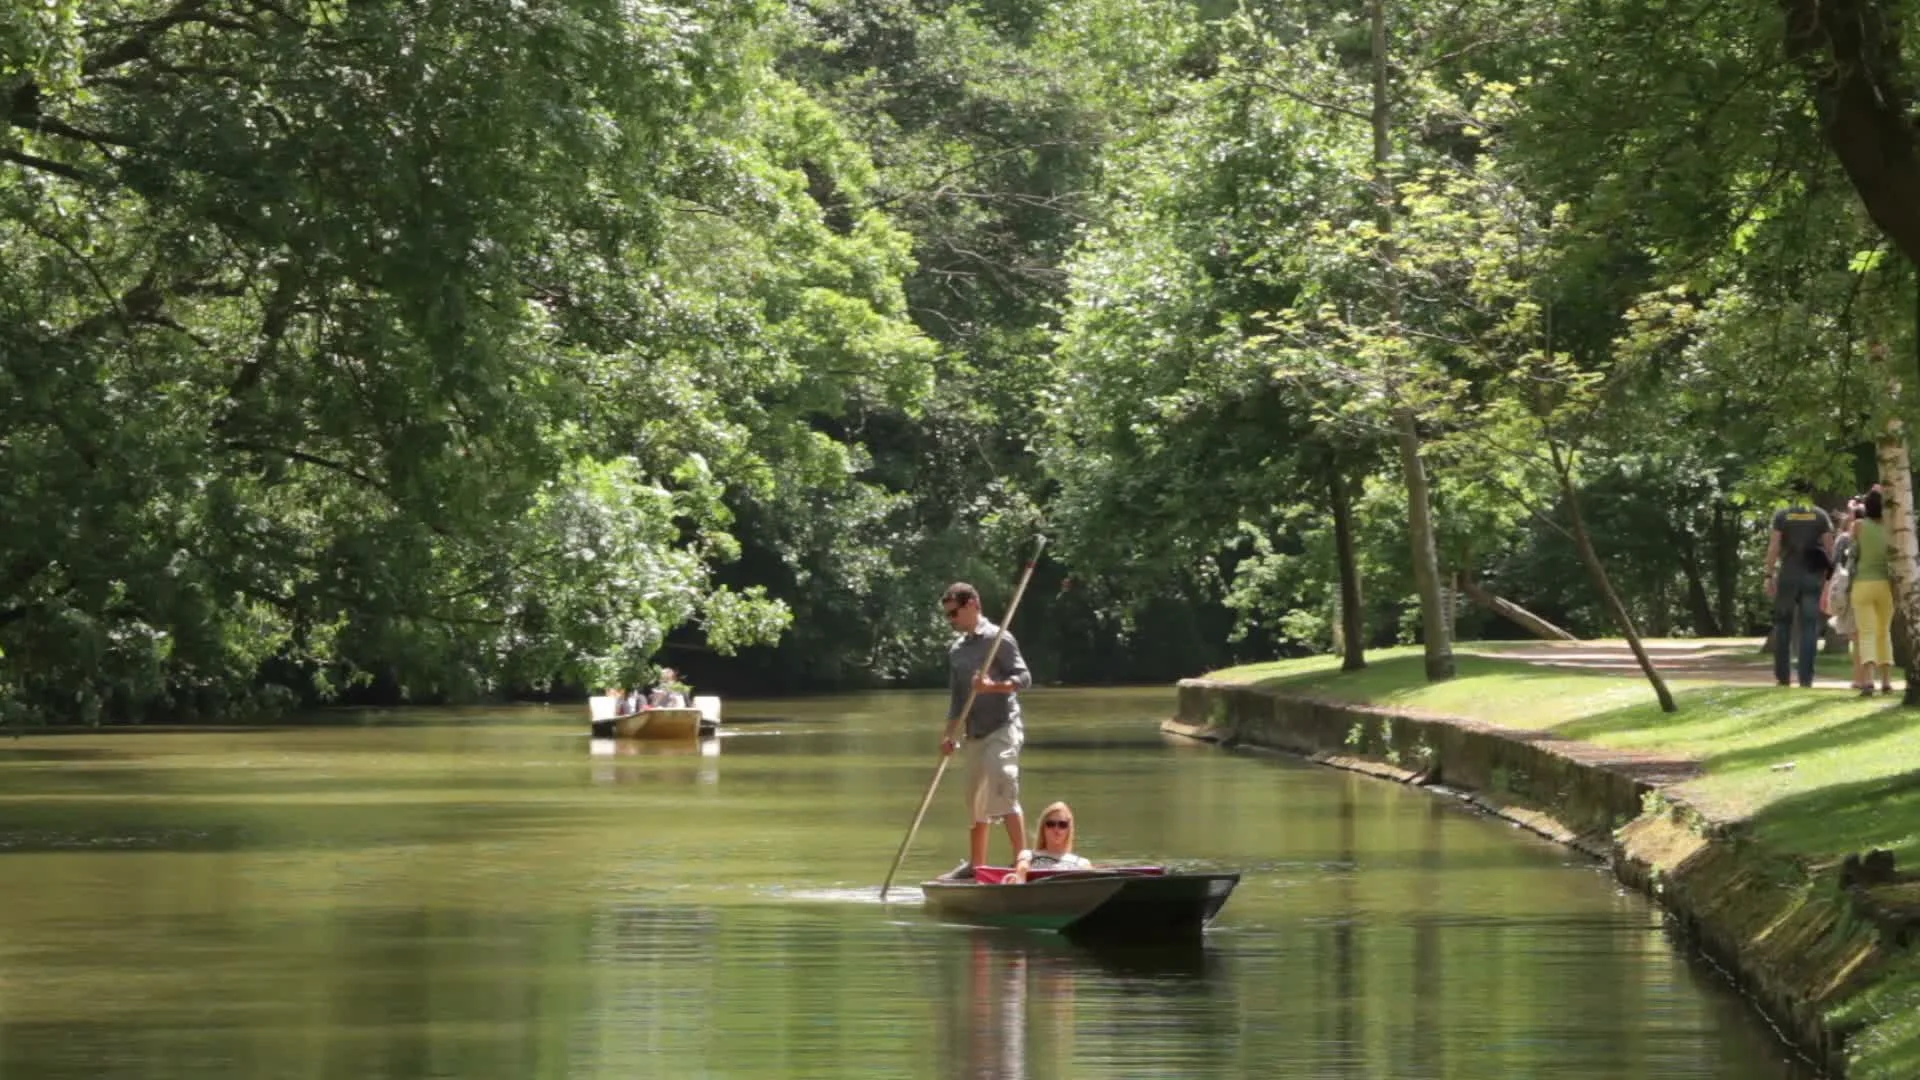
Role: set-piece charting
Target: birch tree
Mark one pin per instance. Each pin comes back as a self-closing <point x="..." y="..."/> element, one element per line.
<point x="1896" y="487"/>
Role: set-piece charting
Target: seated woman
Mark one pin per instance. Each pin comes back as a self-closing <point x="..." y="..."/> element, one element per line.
<point x="1053" y="849"/>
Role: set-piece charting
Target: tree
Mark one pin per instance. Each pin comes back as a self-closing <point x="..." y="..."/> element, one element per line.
<point x="341" y="343"/>
<point x="1436" y="635"/>
<point x="1851" y="53"/>
<point x="1476" y="240"/>
<point x="1181" y="464"/>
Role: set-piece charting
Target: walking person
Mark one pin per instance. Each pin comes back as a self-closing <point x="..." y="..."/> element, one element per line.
<point x="1873" y="595"/>
<point x="1799" y="553"/>
<point x="993" y="735"/>
<point x="1838" y="602"/>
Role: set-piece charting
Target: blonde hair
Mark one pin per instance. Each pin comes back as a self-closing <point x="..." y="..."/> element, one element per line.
<point x="1040" y="826"/>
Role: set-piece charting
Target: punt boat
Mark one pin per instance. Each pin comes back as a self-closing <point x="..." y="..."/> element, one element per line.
<point x="685" y="724"/>
<point x="1122" y="903"/>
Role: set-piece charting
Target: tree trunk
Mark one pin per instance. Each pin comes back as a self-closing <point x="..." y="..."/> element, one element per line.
<point x="1659" y="618"/>
<point x="1434" y="635"/>
<point x="1453" y="606"/>
<point x="1698" y="606"/>
<point x="1850" y="51"/>
<point x="1726" y="568"/>
<point x="1621" y="619"/>
<point x="1353" y="651"/>
<point x="1513" y="612"/>
<point x="1426" y="559"/>
<point x="1896" y="489"/>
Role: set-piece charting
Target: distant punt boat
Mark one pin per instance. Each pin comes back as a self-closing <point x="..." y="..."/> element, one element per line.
<point x="687" y="724"/>
<point x="1125" y="903"/>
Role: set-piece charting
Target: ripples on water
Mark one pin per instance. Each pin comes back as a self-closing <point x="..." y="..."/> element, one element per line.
<point x="493" y="895"/>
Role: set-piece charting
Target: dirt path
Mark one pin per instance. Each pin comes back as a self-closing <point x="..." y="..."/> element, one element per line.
<point x="1722" y="660"/>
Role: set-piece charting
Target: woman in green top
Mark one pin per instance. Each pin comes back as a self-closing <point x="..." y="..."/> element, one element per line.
<point x="1872" y="594"/>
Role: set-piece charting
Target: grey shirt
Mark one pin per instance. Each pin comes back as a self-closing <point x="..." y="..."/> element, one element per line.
<point x="991" y="712"/>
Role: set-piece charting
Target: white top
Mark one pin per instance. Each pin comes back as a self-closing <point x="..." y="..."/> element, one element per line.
<point x="1046" y="860"/>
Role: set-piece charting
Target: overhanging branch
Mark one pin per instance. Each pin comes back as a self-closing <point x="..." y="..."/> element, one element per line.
<point x="1850" y="50"/>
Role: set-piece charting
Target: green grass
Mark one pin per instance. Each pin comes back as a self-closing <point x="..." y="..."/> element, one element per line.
<point x="1817" y="774"/>
<point x="1509" y="692"/>
<point x="1739" y="733"/>
<point x="1887" y="1044"/>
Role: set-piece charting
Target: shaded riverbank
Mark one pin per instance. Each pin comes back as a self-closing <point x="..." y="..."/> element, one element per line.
<point x="1737" y="816"/>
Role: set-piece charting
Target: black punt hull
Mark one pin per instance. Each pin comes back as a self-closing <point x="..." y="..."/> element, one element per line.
<point x="1093" y="906"/>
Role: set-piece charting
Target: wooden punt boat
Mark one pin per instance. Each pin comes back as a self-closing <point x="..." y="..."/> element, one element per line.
<point x="682" y="725"/>
<point x="1124" y="903"/>
<point x="686" y="724"/>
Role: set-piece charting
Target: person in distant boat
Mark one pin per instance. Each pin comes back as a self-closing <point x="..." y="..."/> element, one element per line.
<point x="993" y="735"/>
<point x="1052" y="849"/>
<point x="668" y="695"/>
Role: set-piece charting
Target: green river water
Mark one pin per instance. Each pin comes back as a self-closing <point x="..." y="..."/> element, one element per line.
<point x="481" y="893"/>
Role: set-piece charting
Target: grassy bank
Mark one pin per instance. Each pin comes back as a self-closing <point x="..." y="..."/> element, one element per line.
<point x="1811" y="776"/>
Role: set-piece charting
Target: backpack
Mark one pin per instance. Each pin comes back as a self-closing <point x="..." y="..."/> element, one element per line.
<point x="1817" y="560"/>
<point x="1840" y="595"/>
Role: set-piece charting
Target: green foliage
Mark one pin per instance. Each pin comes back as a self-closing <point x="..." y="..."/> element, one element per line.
<point x="341" y="346"/>
<point x="1177" y="457"/>
<point x="986" y="125"/>
<point x="462" y="349"/>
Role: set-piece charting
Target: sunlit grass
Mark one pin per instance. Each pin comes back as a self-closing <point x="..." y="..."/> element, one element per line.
<point x="1887" y="1045"/>
<point x="1758" y="744"/>
<point x="1509" y="692"/>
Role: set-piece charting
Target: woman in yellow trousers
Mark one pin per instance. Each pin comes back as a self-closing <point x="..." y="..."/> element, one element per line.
<point x="1872" y="595"/>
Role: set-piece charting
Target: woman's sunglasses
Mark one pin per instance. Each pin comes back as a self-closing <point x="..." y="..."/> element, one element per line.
<point x="1057" y="824"/>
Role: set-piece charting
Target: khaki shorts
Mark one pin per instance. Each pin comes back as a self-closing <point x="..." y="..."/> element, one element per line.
<point x="993" y="772"/>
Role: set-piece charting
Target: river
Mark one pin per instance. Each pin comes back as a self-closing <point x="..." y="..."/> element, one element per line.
<point x="475" y="893"/>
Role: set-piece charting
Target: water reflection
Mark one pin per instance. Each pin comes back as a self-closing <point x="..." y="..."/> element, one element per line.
<point x="994" y="1032"/>
<point x="610" y="754"/>
<point x="1018" y="1011"/>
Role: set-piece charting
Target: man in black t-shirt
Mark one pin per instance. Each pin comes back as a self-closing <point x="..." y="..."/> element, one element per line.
<point x="1799" y="552"/>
